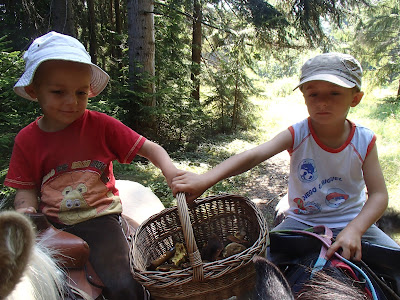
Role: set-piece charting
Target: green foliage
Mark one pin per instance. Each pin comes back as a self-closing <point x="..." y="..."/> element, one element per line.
<point x="386" y="110"/>
<point x="228" y="101"/>
<point x="279" y="65"/>
<point x="236" y="34"/>
<point x="379" y="111"/>
<point x="229" y="57"/>
<point x="283" y="87"/>
<point x="310" y="17"/>
<point x="262" y="14"/>
<point x="15" y="112"/>
<point x="21" y="22"/>
<point x="377" y="42"/>
<point x="148" y="175"/>
<point x="178" y="116"/>
<point x="242" y="41"/>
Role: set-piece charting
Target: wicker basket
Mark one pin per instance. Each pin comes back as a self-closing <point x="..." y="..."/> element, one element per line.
<point x="222" y="215"/>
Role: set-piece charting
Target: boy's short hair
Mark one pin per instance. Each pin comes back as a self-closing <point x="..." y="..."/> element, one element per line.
<point x="57" y="46"/>
<point x="338" y="68"/>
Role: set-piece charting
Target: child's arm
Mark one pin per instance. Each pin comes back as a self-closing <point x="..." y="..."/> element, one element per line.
<point x="160" y="158"/>
<point x="26" y="201"/>
<point x="194" y="185"/>
<point x="349" y="239"/>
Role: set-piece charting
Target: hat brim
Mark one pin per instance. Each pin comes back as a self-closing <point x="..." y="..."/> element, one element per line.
<point x="329" y="78"/>
<point x="98" y="81"/>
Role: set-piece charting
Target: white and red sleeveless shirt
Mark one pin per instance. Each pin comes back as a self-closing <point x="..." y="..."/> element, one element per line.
<point x="326" y="186"/>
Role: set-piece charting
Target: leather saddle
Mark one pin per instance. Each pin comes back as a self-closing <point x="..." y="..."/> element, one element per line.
<point x="72" y="255"/>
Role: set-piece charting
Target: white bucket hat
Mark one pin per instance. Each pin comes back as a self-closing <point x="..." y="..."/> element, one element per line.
<point x="57" y="46"/>
<point x="338" y="68"/>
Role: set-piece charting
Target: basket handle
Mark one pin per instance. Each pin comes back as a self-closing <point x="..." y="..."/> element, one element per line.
<point x="193" y="251"/>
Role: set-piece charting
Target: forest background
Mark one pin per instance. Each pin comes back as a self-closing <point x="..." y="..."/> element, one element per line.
<point x="209" y="78"/>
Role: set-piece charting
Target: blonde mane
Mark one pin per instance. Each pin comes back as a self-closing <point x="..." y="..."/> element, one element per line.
<point x="27" y="268"/>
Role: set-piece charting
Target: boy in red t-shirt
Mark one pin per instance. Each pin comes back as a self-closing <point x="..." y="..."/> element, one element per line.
<point x="62" y="162"/>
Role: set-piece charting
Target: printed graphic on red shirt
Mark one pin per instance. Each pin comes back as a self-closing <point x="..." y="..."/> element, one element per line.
<point x="76" y="196"/>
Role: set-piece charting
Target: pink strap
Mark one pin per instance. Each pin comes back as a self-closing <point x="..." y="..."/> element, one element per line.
<point x="324" y="234"/>
<point x="325" y="237"/>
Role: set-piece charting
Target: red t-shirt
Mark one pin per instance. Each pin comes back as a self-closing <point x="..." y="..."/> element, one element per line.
<point x="72" y="168"/>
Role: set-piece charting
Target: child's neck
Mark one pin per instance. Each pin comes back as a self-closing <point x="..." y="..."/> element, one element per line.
<point x="46" y="126"/>
<point x="332" y="136"/>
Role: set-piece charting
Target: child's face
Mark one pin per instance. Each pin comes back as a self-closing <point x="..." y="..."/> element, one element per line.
<point x="328" y="103"/>
<point x="61" y="88"/>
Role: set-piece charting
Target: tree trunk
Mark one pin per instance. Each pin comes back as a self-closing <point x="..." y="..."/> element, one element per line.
<point x="141" y="53"/>
<point x="111" y="17"/>
<point x="398" y="90"/>
<point x="118" y="21"/>
<point x="92" y="31"/>
<point x="62" y="18"/>
<point x="118" y="30"/>
<point x="196" y="48"/>
<point x="235" y="104"/>
<point x="141" y="44"/>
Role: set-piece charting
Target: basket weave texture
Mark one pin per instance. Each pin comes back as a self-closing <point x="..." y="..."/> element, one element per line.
<point x="222" y="215"/>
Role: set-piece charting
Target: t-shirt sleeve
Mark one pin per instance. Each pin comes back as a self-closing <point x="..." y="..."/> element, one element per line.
<point x="363" y="141"/>
<point x="124" y="141"/>
<point x="19" y="173"/>
<point x="291" y="130"/>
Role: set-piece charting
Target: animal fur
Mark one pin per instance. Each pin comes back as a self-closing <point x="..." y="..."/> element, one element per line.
<point x="138" y="201"/>
<point x="27" y="268"/>
<point x="390" y="222"/>
<point x="326" y="286"/>
<point x="16" y="242"/>
<point x="272" y="285"/>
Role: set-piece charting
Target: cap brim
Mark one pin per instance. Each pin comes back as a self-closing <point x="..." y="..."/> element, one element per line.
<point x="329" y="78"/>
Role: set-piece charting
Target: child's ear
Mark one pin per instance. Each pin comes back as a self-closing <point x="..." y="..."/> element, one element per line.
<point x="30" y="90"/>
<point x="356" y="99"/>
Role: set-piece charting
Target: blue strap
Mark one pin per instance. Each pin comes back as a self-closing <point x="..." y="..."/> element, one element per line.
<point x="370" y="285"/>
<point x="319" y="265"/>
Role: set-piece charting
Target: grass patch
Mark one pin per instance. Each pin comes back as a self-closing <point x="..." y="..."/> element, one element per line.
<point x="379" y="111"/>
<point x="148" y="175"/>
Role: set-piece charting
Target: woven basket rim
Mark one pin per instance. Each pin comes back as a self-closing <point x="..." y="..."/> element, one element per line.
<point x="197" y="202"/>
<point x="160" y="279"/>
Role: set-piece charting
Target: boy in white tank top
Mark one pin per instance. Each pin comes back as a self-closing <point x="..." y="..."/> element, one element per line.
<point x="332" y="161"/>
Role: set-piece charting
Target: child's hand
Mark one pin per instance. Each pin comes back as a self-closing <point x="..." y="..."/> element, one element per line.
<point x="190" y="183"/>
<point x="349" y="242"/>
<point x="170" y="173"/>
<point x="26" y="210"/>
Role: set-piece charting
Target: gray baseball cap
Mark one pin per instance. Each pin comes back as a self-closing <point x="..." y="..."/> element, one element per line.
<point x="338" y="68"/>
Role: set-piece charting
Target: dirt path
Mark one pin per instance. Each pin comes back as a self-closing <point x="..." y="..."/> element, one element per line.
<point x="269" y="185"/>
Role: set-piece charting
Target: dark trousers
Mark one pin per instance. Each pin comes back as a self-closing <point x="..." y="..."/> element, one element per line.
<point x="109" y="255"/>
